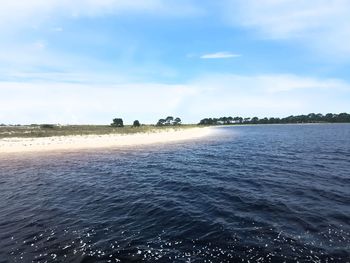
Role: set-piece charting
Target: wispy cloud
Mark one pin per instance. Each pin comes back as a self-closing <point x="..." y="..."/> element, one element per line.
<point x="267" y="95"/>
<point x="219" y="55"/>
<point x="322" y="25"/>
<point x="59" y="102"/>
<point x="30" y="13"/>
<point x="57" y="29"/>
<point x="205" y="96"/>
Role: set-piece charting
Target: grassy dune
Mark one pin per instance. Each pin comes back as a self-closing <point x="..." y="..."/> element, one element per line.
<point x="33" y="131"/>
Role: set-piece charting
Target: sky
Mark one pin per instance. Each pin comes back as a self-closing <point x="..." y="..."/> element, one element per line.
<point x="89" y="61"/>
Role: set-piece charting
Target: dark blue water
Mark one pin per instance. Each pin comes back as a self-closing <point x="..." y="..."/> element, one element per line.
<point x="274" y="193"/>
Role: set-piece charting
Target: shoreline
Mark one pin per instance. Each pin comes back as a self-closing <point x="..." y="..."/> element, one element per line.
<point x="86" y="142"/>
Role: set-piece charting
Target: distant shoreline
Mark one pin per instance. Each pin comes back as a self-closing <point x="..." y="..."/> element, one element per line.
<point x="292" y="119"/>
<point x="52" y="130"/>
<point x="81" y="142"/>
<point x="274" y="124"/>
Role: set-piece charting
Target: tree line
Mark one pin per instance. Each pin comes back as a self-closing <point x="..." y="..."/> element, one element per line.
<point x="310" y="118"/>
<point x="168" y="121"/>
<point x="171" y="121"/>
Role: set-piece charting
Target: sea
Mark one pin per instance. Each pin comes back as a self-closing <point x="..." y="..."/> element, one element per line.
<point x="259" y="193"/>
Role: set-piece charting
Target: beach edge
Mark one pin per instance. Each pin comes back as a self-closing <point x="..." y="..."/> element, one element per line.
<point x="86" y="142"/>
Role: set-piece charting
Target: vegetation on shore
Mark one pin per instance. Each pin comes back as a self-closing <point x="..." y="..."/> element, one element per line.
<point x="169" y="121"/>
<point x="117" y="122"/>
<point x="118" y="127"/>
<point x="48" y="130"/>
<point x="310" y="118"/>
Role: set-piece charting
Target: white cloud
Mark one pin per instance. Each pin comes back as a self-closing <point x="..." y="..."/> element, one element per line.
<point x="321" y="24"/>
<point x="57" y="29"/>
<point x="267" y="95"/>
<point x="206" y="96"/>
<point x="219" y="55"/>
<point x="31" y="13"/>
<point x="48" y="102"/>
<point x="289" y="82"/>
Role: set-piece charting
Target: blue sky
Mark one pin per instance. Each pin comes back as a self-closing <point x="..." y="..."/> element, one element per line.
<point x="87" y="61"/>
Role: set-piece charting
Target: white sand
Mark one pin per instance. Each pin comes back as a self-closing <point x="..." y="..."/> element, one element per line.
<point x="76" y="142"/>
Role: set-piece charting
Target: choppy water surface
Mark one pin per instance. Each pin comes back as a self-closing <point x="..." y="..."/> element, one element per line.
<point x="253" y="193"/>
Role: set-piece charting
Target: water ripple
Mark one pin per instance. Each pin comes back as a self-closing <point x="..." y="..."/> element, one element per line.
<point x="249" y="194"/>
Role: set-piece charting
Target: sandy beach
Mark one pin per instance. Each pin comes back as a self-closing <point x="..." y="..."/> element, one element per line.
<point x="20" y="145"/>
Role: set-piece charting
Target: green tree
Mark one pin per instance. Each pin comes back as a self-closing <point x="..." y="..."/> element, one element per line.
<point x="329" y="117"/>
<point x="169" y="120"/>
<point x="161" y="122"/>
<point x="237" y="119"/>
<point x="309" y="118"/>
<point x="117" y="122"/>
<point x="136" y="123"/>
<point x="255" y="120"/>
<point x="177" y="121"/>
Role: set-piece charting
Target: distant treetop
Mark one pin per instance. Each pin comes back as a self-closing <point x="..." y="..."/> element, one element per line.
<point x="169" y="121"/>
<point x="136" y="123"/>
<point x="117" y="122"/>
<point x="310" y="118"/>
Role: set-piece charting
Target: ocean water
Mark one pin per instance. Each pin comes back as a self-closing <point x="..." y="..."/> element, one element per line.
<point x="271" y="193"/>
